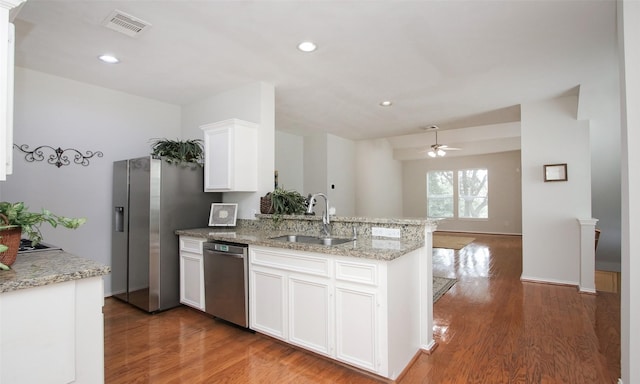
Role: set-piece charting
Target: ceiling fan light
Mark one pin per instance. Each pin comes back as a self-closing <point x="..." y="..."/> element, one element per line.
<point x="431" y="154"/>
<point x="440" y="152"/>
<point x="307" y="46"/>
<point x="109" y="59"/>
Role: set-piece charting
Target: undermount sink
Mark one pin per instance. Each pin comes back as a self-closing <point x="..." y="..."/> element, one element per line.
<point x="311" y="239"/>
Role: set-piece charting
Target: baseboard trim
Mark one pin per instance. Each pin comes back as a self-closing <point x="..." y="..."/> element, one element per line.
<point x="589" y="291"/>
<point x="528" y="279"/>
<point x="477" y="232"/>
<point x="429" y="349"/>
<point x="411" y="363"/>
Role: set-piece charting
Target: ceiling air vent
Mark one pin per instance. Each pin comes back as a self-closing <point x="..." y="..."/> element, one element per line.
<point x="127" y="24"/>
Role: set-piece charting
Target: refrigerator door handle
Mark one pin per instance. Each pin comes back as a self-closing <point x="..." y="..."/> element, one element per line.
<point x="119" y="219"/>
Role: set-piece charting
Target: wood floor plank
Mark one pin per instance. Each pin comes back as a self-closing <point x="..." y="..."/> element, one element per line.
<point x="490" y="326"/>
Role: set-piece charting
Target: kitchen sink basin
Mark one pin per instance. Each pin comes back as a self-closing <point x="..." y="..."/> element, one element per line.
<point x="312" y="239"/>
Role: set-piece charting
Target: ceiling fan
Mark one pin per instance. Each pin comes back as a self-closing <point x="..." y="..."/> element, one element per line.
<point x="439" y="149"/>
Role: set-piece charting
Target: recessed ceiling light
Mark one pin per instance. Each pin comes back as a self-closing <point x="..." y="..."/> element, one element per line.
<point x="307" y="46"/>
<point x="386" y="103"/>
<point x="108" y="59"/>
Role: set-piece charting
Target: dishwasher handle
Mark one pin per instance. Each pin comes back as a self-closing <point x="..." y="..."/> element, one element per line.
<point x="225" y="249"/>
<point x="225" y="254"/>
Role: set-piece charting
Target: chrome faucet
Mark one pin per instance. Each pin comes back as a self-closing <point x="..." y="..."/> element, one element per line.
<point x="325" y="215"/>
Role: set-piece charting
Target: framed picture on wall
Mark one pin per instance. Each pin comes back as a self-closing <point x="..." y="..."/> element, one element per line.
<point x="555" y="172"/>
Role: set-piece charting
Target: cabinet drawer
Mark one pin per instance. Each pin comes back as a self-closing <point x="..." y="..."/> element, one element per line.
<point x="191" y="244"/>
<point x="298" y="262"/>
<point x="357" y="272"/>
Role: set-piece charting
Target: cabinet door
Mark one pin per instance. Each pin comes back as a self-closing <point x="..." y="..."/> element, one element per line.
<point x="357" y="321"/>
<point x="310" y="311"/>
<point x="231" y="156"/>
<point x="192" y="280"/>
<point x="219" y="160"/>
<point x="37" y="337"/>
<point x="268" y="304"/>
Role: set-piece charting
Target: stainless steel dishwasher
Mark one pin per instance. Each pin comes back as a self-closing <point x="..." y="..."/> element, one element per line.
<point x="226" y="282"/>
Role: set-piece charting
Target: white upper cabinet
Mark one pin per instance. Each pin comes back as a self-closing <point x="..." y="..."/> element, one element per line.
<point x="7" y="44"/>
<point x="230" y="156"/>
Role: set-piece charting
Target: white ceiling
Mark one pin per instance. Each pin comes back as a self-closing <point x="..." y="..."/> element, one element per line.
<point x="451" y="63"/>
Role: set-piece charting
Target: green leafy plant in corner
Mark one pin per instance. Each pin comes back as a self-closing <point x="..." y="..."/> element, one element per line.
<point x="177" y="151"/>
<point x="18" y="215"/>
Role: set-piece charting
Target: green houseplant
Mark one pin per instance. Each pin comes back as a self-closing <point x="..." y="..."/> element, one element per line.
<point x="16" y="219"/>
<point x="287" y="202"/>
<point x="179" y="151"/>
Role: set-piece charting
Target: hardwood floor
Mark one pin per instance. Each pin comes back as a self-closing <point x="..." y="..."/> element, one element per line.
<point x="490" y="326"/>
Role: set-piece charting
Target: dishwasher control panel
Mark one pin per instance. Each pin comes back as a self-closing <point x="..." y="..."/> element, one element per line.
<point x="221" y="247"/>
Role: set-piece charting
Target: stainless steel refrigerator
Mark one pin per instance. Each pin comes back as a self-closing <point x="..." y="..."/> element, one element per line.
<point x="151" y="200"/>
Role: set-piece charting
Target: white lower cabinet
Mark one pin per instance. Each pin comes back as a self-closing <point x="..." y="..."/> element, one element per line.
<point x="356" y="325"/>
<point x="192" y="272"/>
<point x="268" y="302"/>
<point x="53" y="333"/>
<point x="310" y="312"/>
<point x="326" y="304"/>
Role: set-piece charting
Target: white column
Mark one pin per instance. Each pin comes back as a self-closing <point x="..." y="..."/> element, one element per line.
<point x="629" y="53"/>
<point x="426" y="288"/>
<point x="587" y="255"/>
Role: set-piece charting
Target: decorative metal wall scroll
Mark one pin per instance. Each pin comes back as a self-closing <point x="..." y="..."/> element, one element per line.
<point x="58" y="157"/>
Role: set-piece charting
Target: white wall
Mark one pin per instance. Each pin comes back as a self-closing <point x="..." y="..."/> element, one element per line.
<point x="629" y="37"/>
<point x="62" y="113"/>
<point x="315" y="167"/>
<point x="255" y="103"/>
<point x="505" y="204"/>
<point x="289" y="159"/>
<point x="329" y="161"/>
<point x="341" y="184"/>
<point x="378" y="180"/>
<point x="550" y="243"/>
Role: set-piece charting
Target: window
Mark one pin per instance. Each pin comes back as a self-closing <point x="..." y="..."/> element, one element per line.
<point x="467" y="195"/>
<point x="440" y="194"/>
<point x="473" y="193"/>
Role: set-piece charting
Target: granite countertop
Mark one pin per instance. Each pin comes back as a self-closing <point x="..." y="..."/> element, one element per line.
<point x="364" y="246"/>
<point x="36" y="269"/>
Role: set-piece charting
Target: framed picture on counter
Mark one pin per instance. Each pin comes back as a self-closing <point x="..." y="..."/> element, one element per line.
<point x="223" y="215"/>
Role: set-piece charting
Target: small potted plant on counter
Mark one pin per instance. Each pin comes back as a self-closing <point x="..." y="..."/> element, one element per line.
<point x="288" y="202"/>
<point x="15" y="219"/>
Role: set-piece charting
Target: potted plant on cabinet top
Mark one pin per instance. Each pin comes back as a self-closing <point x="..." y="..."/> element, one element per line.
<point x="15" y="219"/>
<point x="177" y="151"/>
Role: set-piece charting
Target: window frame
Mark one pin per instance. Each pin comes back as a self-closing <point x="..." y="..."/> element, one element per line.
<point x="452" y="197"/>
<point x="456" y="194"/>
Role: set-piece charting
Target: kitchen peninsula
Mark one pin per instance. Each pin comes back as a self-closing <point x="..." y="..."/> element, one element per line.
<point x="366" y="303"/>
<point x="51" y="323"/>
